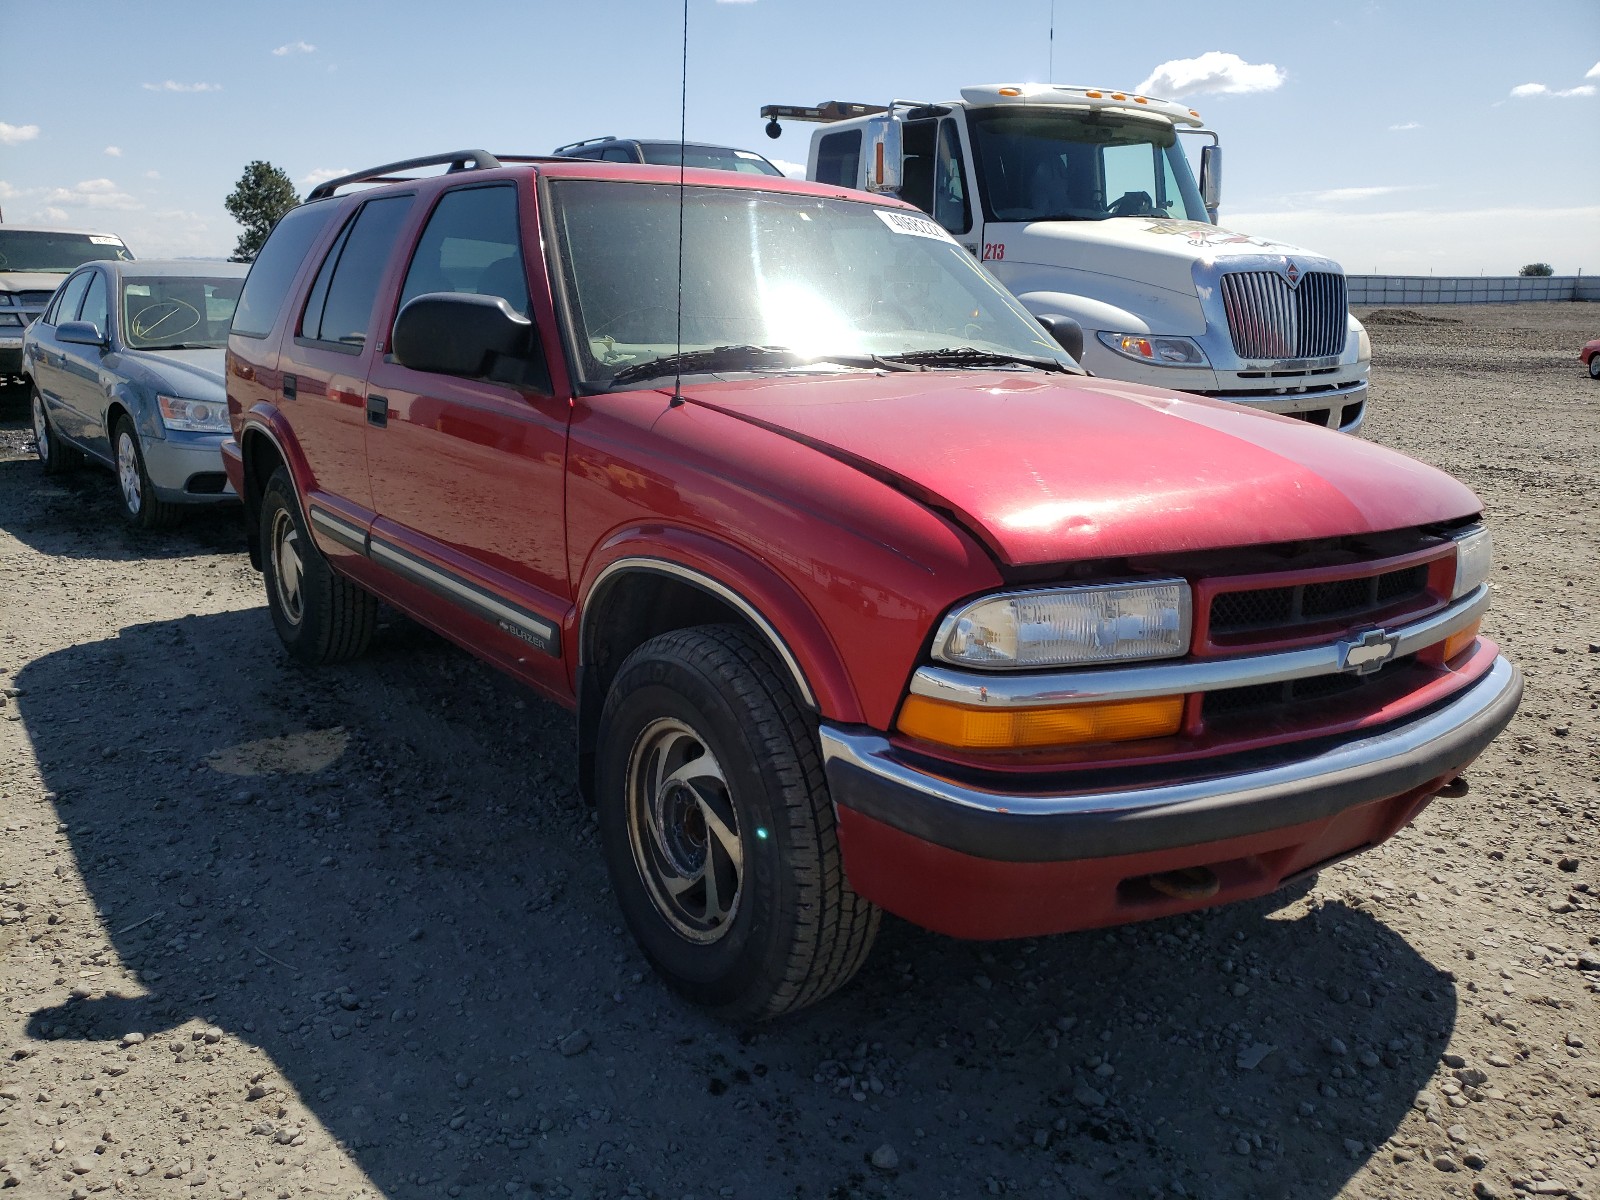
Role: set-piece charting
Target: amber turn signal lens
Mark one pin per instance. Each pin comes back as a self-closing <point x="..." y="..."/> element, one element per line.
<point x="969" y="728"/>
<point x="1460" y="640"/>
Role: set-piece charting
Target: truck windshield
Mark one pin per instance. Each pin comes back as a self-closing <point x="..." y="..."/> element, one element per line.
<point x="811" y="274"/>
<point x="56" y="253"/>
<point x="1044" y="164"/>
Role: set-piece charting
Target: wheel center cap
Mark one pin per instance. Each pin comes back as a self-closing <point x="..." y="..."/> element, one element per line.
<point x="683" y="828"/>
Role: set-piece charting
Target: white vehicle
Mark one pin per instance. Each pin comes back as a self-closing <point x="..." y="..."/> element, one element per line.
<point x="1081" y="201"/>
<point x="33" y="260"/>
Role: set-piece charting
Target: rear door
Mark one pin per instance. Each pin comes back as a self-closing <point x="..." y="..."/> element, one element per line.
<point x="49" y="359"/>
<point x="467" y="474"/>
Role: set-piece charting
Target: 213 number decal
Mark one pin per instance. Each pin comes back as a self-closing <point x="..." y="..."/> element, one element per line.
<point x="994" y="251"/>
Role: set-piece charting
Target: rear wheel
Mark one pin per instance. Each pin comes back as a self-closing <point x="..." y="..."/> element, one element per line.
<point x="55" y="456"/>
<point x="140" y="504"/>
<point x="320" y="616"/>
<point x="718" y="829"/>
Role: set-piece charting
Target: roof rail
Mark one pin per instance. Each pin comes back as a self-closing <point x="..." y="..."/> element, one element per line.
<point x="460" y="160"/>
<point x="586" y="142"/>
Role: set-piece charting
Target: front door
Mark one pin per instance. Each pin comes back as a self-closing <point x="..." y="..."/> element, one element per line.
<point x="467" y="474"/>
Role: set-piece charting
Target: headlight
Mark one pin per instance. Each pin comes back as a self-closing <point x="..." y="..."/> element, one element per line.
<point x="1363" y="343"/>
<point x="195" y="416"/>
<point x="1158" y="351"/>
<point x="1073" y="626"/>
<point x="7" y="300"/>
<point x="10" y="319"/>
<point x="1474" y="552"/>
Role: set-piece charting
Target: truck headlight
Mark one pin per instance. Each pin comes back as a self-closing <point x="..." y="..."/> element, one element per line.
<point x="1072" y="626"/>
<point x="193" y="416"/>
<point x="1158" y="351"/>
<point x="7" y="300"/>
<point x="11" y="319"/>
<point x="1474" y="553"/>
<point x="1363" y="341"/>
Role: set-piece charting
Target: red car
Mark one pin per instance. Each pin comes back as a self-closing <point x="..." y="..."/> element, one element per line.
<point x="1590" y="357"/>
<point x="863" y="593"/>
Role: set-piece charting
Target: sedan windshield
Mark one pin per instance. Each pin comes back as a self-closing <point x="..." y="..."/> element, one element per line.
<point x="774" y="281"/>
<point x="56" y="253"/>
<point x="1056" y="164"/>
<point x="171" y="312"/>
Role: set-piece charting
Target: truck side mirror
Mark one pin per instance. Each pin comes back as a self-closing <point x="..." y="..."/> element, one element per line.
<point x="1067" y="333"/>
<point x="884" y="153"/>
<point x="458" y="333"/>
<point x="1211" y="179"/>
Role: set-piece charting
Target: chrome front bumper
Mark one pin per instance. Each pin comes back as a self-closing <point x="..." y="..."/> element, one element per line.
<point x="1332" y="404"/>
<point x="1246" y="794"/>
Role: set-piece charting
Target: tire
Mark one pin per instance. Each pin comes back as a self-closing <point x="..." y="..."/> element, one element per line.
<point x="141" y="507"/>
<point x="718" y="830"/>
<point x="1594" y="366"/>
<point x="321" y="617"/>
<point x="55" y="456"/>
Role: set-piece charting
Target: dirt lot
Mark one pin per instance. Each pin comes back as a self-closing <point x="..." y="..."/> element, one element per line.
<point x="281" y="933"/>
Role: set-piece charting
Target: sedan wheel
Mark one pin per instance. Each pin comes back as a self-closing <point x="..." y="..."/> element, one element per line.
<point x="1594" y="367"/>
<point x="140" y="504"/>
<point x="55" y="456"/>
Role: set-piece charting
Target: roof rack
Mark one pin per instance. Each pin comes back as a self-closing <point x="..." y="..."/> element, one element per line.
<point x="460" y="160"/>
<point x="586" y="142"/>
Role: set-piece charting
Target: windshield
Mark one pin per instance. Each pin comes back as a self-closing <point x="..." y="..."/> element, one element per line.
<point x="719" y="158"/>
<point x="56" y="253"/>
<point x="1053" y="164"/>
<point x="816" y="275"/>
<point x="172" y="312"/>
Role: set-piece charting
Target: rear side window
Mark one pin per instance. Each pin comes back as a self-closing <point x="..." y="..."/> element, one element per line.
<point x="71" y="296"/>
<point x="839" y="158"/>
<point x="471" y="245"/>
<point x="267" y="285"/>
<point x="340" y="308"/>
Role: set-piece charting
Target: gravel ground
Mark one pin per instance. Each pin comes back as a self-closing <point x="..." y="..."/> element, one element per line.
<point x="280" y="933"/>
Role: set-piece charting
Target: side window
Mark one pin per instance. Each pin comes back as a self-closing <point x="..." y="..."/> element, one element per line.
<point x="340" y="309"/>
<point x="471" y="245"/>
<point x="950" y="206"/>
<point x="267" y="285"/>
<point x="96" y="310"/>
<point x="1130" y="174"/>
<point x="618" y="154"/>
<point x="70" y="296"/>
<point x="839" y="158"/>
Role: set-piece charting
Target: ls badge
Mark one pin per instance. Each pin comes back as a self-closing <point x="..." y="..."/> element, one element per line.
<point x="1368" y="652"/>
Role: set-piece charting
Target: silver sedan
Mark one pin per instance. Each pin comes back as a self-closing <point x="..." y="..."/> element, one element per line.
<point x="125" y="368"/>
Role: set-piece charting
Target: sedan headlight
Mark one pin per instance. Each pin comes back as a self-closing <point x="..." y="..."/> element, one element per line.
<point x="193" y="416"/>
<point x="1073" y="626"/>
<point x="7" y="300"/>
<point x="1158" y="351"/>
<point x="1474" y="552"/>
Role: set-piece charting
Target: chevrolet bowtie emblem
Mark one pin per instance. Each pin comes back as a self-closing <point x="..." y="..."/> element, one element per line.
<point x="1367" y="653"/>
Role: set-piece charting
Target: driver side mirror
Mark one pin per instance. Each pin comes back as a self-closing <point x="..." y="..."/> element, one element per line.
<point x="884" y="154"/>
<point x="1211" y="180"/>
<point x="82" y="333"/>
<point x="1067" y="333"/>
<point x="459" y="333"/>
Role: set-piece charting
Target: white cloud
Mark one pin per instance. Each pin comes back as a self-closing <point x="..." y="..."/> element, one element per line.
<point x="53" y="214"/>
<point x="1213" y="71"/>
<point x="294" y="48"/>
<point x="10" y="135"/>
<point x="1593" y="72"/>
<point x="172" y="86"/>
<point x="152" y="174"/>
<point x="114" y="151"/>
<point x="91" y="193"/>
<point x="7" y="191"/>
<point x="1347" y="194"/>
<point x="322" y="175"/>
<point x="1404" y="127"/>
<point x="793" y="170"/>
<point x="1524" y="90"/>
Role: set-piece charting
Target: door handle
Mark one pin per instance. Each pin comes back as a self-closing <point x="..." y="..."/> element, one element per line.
<point x="377" y="411"/>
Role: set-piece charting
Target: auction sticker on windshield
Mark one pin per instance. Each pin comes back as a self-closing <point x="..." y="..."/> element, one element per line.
<point x="97" y="240"/>
<point x="912" y="223"/>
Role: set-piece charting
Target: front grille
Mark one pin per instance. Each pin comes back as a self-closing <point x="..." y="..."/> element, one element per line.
<point x="1269" y="318"/>
<point x="1312" y="416"/>
<point x="1347" y="600"/>
<point x="1273" y="697"/>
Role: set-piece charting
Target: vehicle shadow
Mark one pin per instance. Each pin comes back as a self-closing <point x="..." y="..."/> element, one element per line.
<point x="77" y="515"/>
<point x="381" y="876"/>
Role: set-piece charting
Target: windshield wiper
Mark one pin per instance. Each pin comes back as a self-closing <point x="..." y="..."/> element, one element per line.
<point x="746" y="358"/>
<point x="971" y="356"/>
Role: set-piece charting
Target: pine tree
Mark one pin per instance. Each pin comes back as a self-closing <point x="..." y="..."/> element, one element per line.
<point x="263" y="194"/>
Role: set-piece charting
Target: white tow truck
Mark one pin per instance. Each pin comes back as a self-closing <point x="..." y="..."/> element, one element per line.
<point x="1081" y="201"/>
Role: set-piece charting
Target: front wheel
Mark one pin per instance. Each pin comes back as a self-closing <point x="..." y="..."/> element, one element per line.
<point x="320" y="616"/>
<point x="141" y="507"/>
<point x="718" y="829"/>
<point x="1594" y="366"/>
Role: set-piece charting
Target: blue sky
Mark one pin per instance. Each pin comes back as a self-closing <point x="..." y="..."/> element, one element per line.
<point x="1451" y="136"/>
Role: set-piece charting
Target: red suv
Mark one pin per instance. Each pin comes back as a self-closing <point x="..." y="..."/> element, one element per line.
<point x="865" y="595"/>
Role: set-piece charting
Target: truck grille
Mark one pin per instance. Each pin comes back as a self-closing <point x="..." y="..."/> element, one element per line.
<point x="1342" y="600"/>
<point x="1270" y="319"/>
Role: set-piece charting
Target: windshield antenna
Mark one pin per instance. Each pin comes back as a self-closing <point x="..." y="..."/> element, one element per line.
<point x="1050" y="72"/>
<point x="683" y="154"/>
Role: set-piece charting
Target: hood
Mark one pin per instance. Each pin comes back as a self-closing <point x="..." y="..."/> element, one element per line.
<point x="31" y="281"/>
<point x="196" y="374"/>
<point x="1150" y="250"/>
<point x="1048" y="469"/>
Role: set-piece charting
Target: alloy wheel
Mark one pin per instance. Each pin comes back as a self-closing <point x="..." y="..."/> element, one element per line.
<point x="41" y="428"/>
<point x="128" y="472"/>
